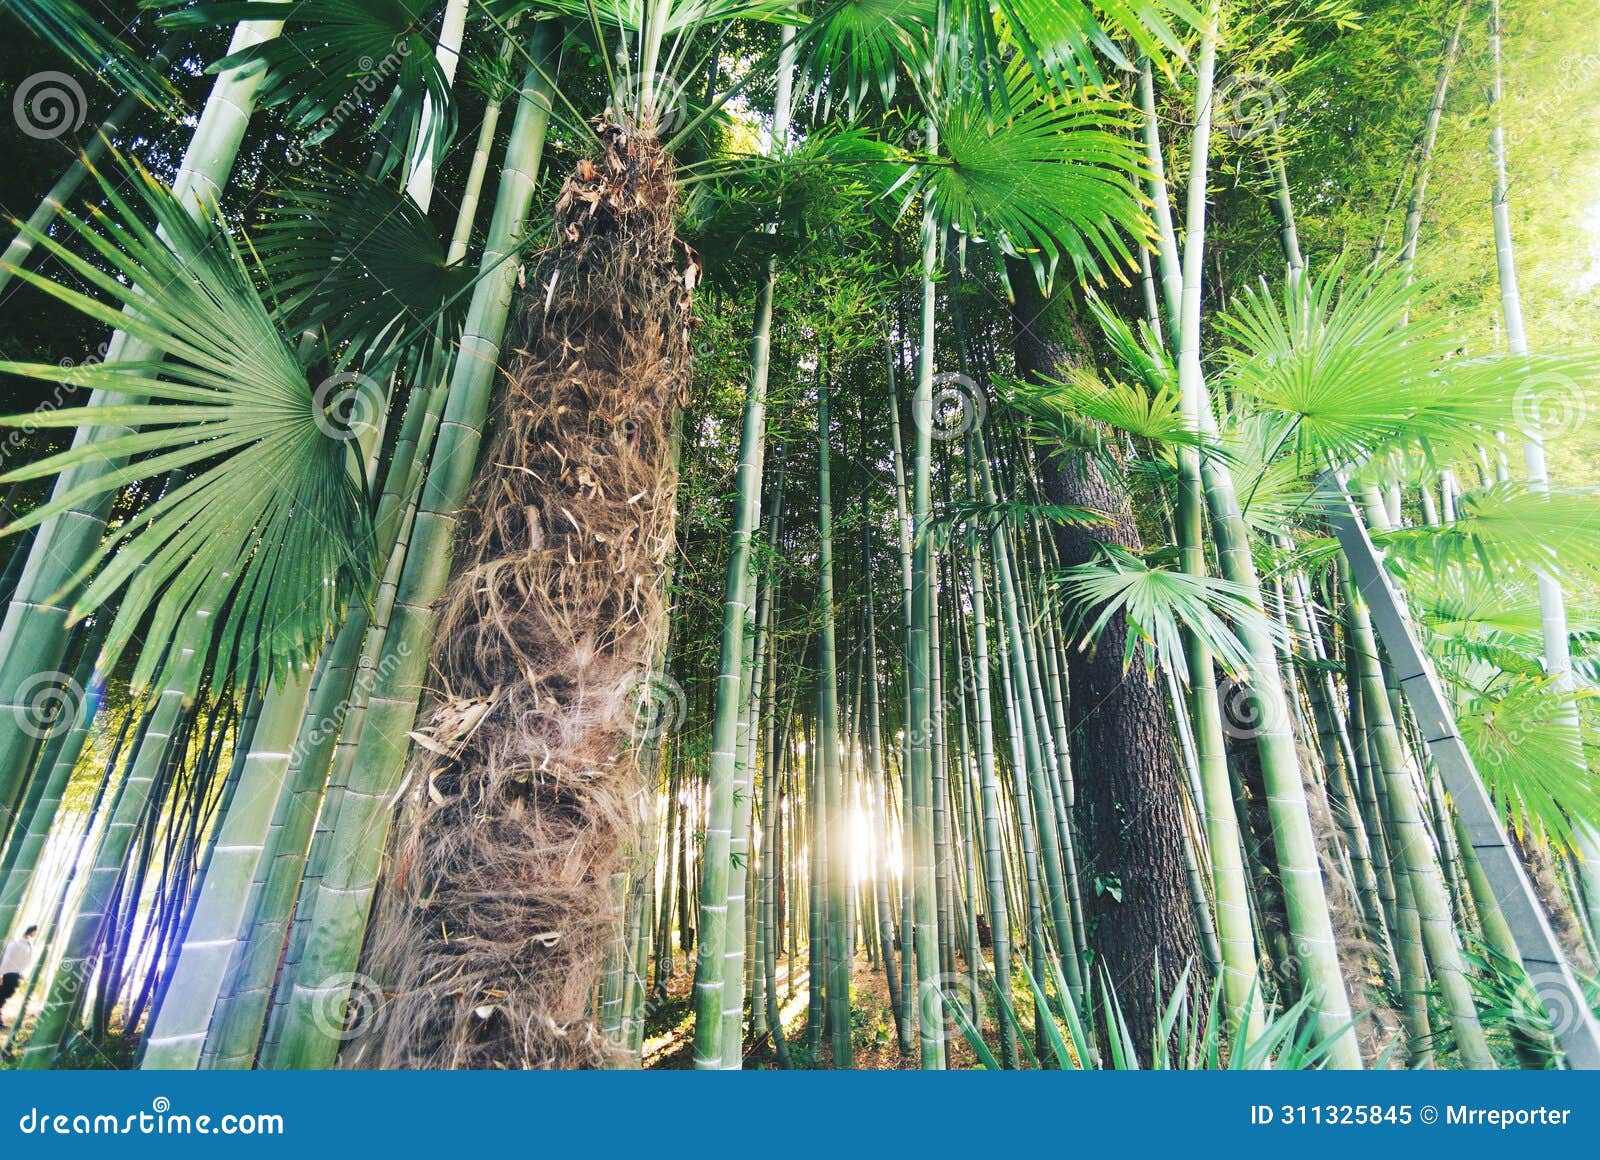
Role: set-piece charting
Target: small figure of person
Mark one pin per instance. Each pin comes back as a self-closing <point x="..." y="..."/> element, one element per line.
<point x="15" y="962"/>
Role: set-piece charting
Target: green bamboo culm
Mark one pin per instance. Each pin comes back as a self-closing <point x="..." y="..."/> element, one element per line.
<point x="1310" y="921"/>
<point x="919" y="666"/>
<point x="837" y="955"/>
<point x="731" y="694"/>
<point x="33" y="635"/>
<point x="1242" y="985"/>
<point x="342" y="896"/>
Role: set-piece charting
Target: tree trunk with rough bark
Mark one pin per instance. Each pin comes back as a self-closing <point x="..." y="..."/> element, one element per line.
<point x="1126" y="769"/>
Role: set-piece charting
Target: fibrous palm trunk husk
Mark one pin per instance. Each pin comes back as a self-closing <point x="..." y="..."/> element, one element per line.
<point x="526" y="775"/>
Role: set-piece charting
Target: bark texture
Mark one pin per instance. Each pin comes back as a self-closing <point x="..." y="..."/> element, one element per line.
<point x="1127" y="808"/>
<point x="526" y="780"/>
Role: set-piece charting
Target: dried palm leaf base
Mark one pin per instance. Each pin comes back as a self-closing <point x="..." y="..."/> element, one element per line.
<point x="499" y="906"/>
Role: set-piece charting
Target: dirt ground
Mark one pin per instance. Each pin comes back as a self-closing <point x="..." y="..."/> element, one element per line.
<point x="669" y="1032"/>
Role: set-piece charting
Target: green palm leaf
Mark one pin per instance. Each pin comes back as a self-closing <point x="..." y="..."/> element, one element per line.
<point x="1084" y="396"/>
<point x="1510" y="527"/>
<point x="337" y="60"/>
<point x="666" y="17"/>
<point x="1062" y="39"/>
<point x="1160" y="606"/>
<point x="856" y="49"/>
<point x="1338" y="357"/>
<point x="260" y="503"/>
<point x="356" y="259"/>
<point x="1528" y="747"/>
<point x="85" y="40"/>
<point x="1052" y="179"/>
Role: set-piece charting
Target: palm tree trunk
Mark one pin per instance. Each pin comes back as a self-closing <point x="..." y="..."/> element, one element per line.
<point x="546" y="640"/>
<point x="341" y="899"/>
<point x="1130" y="810"/>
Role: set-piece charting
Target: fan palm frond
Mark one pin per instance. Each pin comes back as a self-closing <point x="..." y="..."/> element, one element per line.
<point x="261" y="502"/>
<point x="337" y="62"/>
<point x="356" y="259"/>
<point x="1160" y="606"/>
<point x="1065" y="40"/>
<point x="85" y="40"/>
<point x="1508" y="528"/>
<point x="1337" y="355"/>
<point x="1051" y="180"/>
<point x="1527" y="745"/>
<point x="857" y="49"/>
